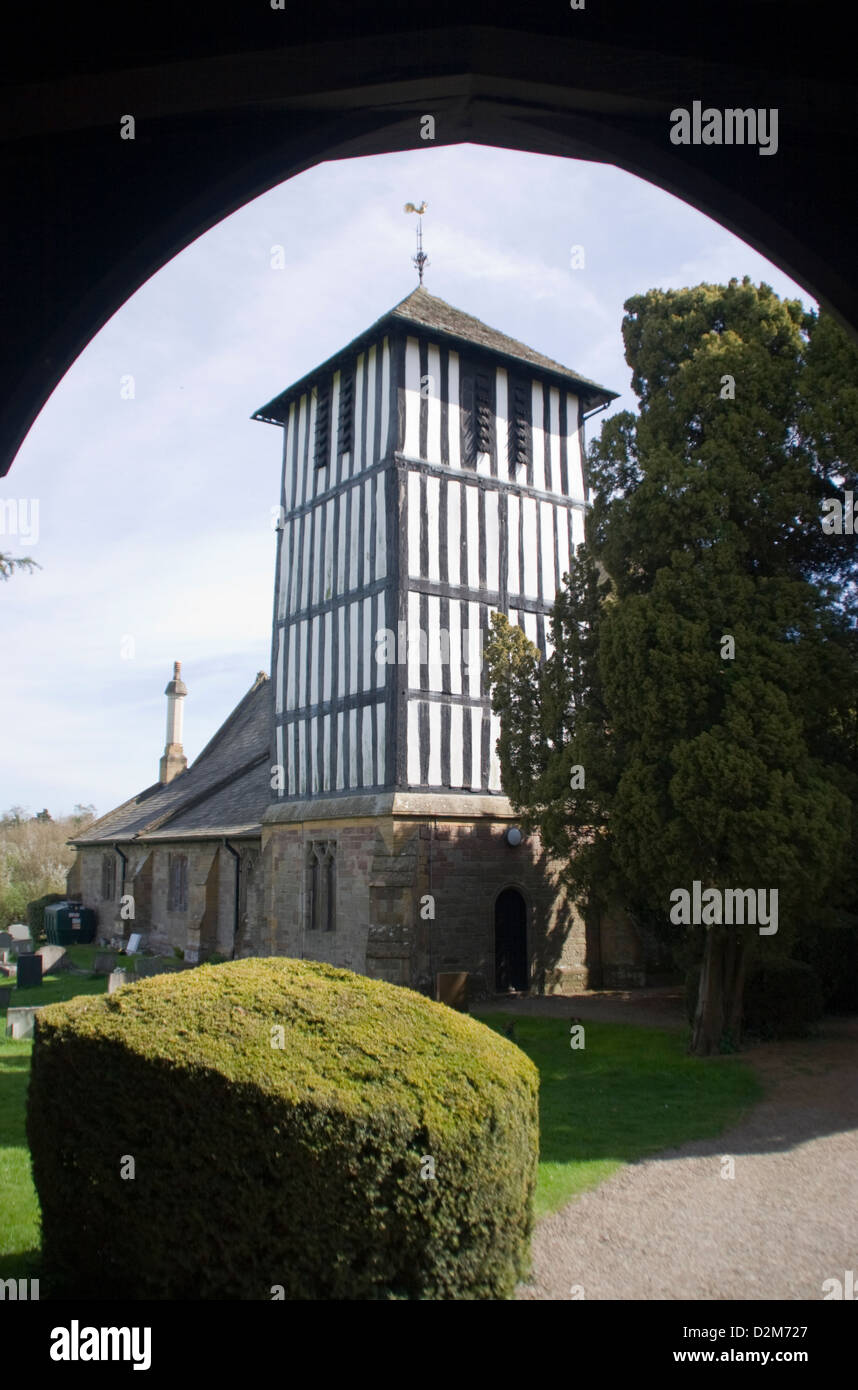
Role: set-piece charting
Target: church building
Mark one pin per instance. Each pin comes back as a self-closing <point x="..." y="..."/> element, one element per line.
<point x="350" y="809"/>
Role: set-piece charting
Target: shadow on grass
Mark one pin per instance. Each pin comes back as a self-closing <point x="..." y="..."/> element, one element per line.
<point x="627" y="1092"/>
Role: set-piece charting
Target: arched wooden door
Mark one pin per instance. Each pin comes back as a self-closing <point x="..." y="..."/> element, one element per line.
<point x="511" y="971"/>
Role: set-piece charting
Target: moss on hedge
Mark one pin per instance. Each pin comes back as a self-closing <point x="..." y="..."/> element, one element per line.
<point x="258" y="1166"/>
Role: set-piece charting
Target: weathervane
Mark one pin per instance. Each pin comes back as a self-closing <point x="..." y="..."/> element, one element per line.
<point x="421" y="259"/>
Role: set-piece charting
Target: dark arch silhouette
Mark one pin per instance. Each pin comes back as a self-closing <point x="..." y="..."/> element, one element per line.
<point x="512" y="968"/>
<point x="229" y="102"/>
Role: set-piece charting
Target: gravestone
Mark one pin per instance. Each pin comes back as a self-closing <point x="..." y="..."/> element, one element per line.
<point x="5" y="945"/>
<point x="5" y="996"/>
<point x="20" y="1022"/>
<point x="22" y="937"/>
<point x="29" y="972"/>
<point x="104" y="962"/>
<point x="158" y="965"/>
<point x="134" y="943"/>
<point x="53" y="958"/>
<point x="451" y="988"/>
<point x="117" y="978"/>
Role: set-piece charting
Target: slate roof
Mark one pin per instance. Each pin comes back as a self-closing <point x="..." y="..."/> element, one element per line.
<point x="424" y="310"/>
<point x="225" y="791"/>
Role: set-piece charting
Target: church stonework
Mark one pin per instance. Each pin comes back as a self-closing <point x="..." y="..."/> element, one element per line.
<point x="350" y="809"/>
<point x="433" y="473"/>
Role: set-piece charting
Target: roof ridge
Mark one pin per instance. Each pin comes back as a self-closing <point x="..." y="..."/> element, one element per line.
<point x="481" y="336"/>
<point x="190" y="794"/>
<point x="203" y="794"/>
<point x="132" y="801"/>
<point x="230" y="719"/>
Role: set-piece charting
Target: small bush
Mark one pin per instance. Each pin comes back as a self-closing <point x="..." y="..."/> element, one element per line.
<point x="307" y="1165"/>
<point x="782" y="999"/>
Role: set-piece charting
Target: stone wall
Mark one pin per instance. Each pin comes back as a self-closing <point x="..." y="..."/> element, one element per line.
<point x="207" y="924"/>
<point x="416" y="897"/>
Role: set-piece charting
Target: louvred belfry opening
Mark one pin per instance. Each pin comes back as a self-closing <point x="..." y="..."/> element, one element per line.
<point x="433" y="474"/>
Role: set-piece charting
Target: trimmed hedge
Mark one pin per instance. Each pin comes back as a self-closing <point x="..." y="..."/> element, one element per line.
<point x="782" y="998"/>
<point x="258" y="1167"/>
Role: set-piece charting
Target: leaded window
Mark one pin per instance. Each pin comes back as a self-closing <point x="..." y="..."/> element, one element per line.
<point x="108" y="876"/>
<point x="321" y="885"/>
<point x="177" y="889"/>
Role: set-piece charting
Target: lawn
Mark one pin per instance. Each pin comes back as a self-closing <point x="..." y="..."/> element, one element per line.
<point x="19" y="1209"/>
<point x="629" y="1092"/>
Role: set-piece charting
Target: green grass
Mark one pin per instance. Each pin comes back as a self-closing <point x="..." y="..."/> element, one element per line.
<point x="53" y="990"/>
<point x="628" y="1093"/>
<point x="19" y="1208"/>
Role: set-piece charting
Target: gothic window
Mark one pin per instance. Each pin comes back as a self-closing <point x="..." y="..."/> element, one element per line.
<point x="323" y="423"/>
<point x="321" y="885"/>
<point x="108" y="876"/>
<point x="519" y="423"/>
<point x="249" y="861"/>
<point x="346" y="413"/>
<point x="177" y="887"/>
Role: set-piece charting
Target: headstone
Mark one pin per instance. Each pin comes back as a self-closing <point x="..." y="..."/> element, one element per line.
<point x="29" y="972"/>
<point x="134" y="943"/>
<point x="20" y="1022"/>
<point x="5" y="996"/>
<point x="104" y="962"/>
<point x="21" y="935"/>
<point x="452" y="989"/>
<point x="53" y="958"/>
<point x="156" y="965"/>
<point x="5" y="941"/>
<point x="117" y="978"/>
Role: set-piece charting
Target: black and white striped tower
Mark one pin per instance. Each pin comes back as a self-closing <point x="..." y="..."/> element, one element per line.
<point x="432" y="474"/>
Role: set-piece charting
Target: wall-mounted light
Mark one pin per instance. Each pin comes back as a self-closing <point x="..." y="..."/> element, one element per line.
<point x="513" y="835"/>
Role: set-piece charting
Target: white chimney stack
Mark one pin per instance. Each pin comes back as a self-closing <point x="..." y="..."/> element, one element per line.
<point x="174" y="760"/>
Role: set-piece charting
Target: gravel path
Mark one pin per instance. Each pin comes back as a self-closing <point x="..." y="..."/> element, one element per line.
<point x="671" y="1227"/>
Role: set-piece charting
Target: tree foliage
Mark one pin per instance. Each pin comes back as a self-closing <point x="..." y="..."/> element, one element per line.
<point x="10" y="563"/>
<point x="731" y="762"/>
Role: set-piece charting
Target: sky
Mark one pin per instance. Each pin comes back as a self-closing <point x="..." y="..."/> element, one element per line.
<point x="152" y="515"/>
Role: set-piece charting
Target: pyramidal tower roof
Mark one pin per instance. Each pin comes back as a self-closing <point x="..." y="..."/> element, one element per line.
<point x="424" y="310"/>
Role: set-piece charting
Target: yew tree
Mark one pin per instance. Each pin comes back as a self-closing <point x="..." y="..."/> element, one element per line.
<point x="697" y="718"/>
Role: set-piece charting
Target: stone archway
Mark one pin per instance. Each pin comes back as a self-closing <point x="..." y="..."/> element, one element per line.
<point x="89" y="216"/>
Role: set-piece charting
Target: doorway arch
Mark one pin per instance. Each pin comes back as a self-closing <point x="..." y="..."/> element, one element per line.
<point x="90" y="215"/>
<point x="512" y="970"/>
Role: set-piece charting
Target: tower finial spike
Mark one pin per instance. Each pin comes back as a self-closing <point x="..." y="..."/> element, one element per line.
<point x="421" y="259"/>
